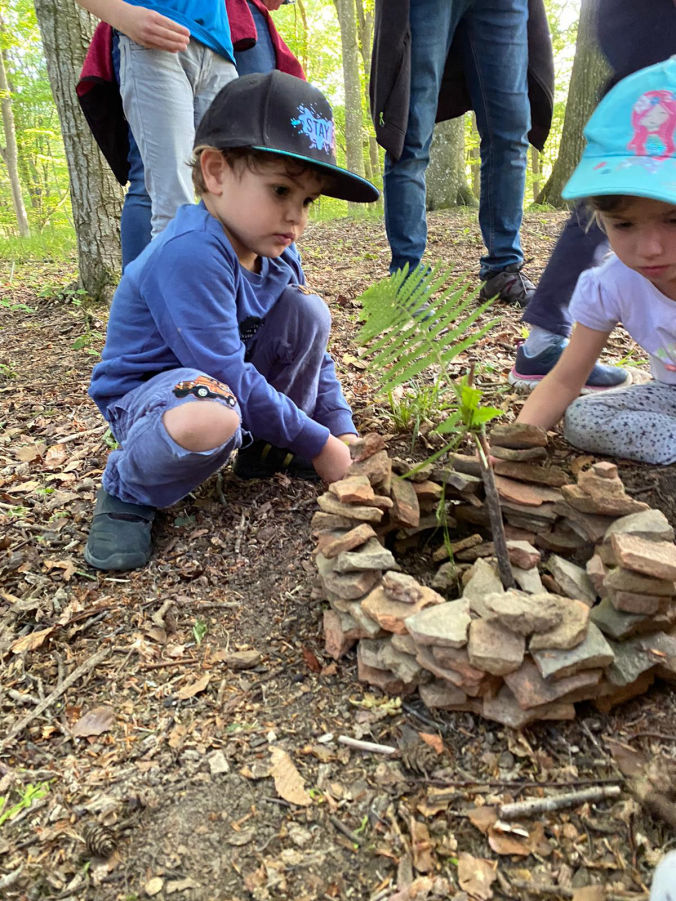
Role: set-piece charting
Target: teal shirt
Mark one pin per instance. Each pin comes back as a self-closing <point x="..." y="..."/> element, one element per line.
<point x="207" y="21"/>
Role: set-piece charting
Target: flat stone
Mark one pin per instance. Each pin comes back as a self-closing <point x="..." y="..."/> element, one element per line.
<point x="329" y="522"/>
<point x="406" y="509"/>
<point x="531" y="690"/>
<point x="377" y="469"/>
<point x="637" y="656"/>
<point x="523" y="493"/>
<point x="467" y="681"/>
<point x="520" y="455"/>
<point x="457" y="659"/>
<point x="524" y="613"/>
<point x="427" y="492"/>
<point x="403" y="665"/>
<point x="353" y="490"/>
<point x="333" y="543"/>
<point x="528" y="579"/>
<point x="650" y="524"/>
<point x="593" y="652"/>
<point x="364" y="626"/>
<point x="372" y="555"/>
<point x="329" y="503"/>
<point x="504" y="708"/>
<point x="366" y="446"/>
<point x="381" y="678"/>
<point x="483" y="580"/>
<point x="402" y="587"/>
<point x="597" y="572"/>
<point x="444" y="624"/>
<point x="446" y="577"/>
<point x="562" y="539"/>
<point x="601" y="487"/>
<point x="609" y="505"/>
<point x="589" y="525"/>
<point x="609" y="695"/>
<point x="542" y="516"/>
<point x="656" y="559"/>
<point x="531" y="472"/>
<point x="440" y="695"/>
<point x="468" y="464"/>
<point x="517" y="435"/>
<point x="485" y="549"/>
<point x="523" y="554"/>
<point x="632" y="602"/>
<point x="513" y="533"/>
<point x="614" y="623"/>
<point x="605" y="470"/>
<point x="391" y="615"/>
<point x="493" y="648"/>
<point x="349" y="586"/>
<point x="572" y="579"/>
<point x="571" y="630"/>
<point x="626" y="580"/>
<point x="404" y="643"/>
<point x="337" y="642"/>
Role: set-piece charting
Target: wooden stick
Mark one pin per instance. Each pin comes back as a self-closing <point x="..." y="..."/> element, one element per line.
<point x="366" y="745"/>
<point x="89" y="664"/>
<point x="494" y="513"/>
<point x="341" y="827"/>
<point x="530" y="889"/>
<point x="555" y="802"/>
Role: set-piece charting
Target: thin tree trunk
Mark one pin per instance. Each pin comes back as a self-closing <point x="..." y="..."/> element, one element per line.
<point x="446" y="179"/>
<point x="353" y="93"/>
<point x="535" y="170"/>
<point x="95" y="195"/>
<point x="10" y="152"/>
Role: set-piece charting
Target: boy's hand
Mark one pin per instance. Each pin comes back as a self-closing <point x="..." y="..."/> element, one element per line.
<point x="334" y="459"/>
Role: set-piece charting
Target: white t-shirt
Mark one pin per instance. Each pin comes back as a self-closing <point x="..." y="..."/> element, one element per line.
<point x="612" y="293"/>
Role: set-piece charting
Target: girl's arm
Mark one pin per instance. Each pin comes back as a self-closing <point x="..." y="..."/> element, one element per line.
<point x="562" y="385"/>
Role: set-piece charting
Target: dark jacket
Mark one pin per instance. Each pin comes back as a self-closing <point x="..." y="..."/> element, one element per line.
<point x="389" y="88"/>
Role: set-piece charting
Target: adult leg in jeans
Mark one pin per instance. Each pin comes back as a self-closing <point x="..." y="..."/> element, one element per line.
<point x="164" y="95"/>
<point x="432" y="27"/>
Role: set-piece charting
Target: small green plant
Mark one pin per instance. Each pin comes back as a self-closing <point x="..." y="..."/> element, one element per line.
<point x="29" y="793"/>
<point x="199" y="630"/>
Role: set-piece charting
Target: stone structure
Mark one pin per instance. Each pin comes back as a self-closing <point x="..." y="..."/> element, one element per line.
<point x="592" y="617"/>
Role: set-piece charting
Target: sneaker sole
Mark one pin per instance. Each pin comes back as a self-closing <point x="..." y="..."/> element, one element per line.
<point x="527" y="383"/>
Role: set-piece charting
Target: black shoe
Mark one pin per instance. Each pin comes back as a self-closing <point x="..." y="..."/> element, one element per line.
<point x="511" y="287"/>
<point x="261" y="460"/>
<point x="119" y="538"/>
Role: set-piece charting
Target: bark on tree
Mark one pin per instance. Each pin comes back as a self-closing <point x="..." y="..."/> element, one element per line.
<point x="590" y="71"/>
<point x="446" y="178"/>
<point x="10" y="153"/>
<point x="372" y="161"/>
<point x="353" y="93"/>
<point x="95" y="195"/>
<point x="536" y="170"/>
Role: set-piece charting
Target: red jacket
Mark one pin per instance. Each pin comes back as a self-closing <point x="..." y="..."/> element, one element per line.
<point x="99" y="94"/>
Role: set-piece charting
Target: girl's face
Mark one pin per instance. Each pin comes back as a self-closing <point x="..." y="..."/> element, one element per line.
<point x="643" y="235"/>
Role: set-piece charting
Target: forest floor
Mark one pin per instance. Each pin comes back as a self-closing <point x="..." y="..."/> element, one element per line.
<point x="123" y="704"/>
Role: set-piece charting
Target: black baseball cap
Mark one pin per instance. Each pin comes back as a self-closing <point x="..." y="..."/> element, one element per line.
<point x="281" y="114"/>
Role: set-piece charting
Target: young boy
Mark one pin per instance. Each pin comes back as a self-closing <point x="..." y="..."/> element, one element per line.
<point x="212" y="339"/>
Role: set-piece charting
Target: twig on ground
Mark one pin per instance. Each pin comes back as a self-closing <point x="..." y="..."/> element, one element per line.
<point x="366" y="745"/>
<point x="10" y="878"/>
<point x="556" y="802"/>
<point x="352" y="836"/>
<point x="561" y="892"/>
<point x="86" y="667"/>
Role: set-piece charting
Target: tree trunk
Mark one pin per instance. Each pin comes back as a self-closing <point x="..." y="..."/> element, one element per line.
<point x="372" y="162"/>
<point x="95" y="195"/>
<point x="446" y="179"/>
<point x="590" y="71"/>
<point x="475" y="158"/>
<point x="535" y="170"/>
<point x="10" y="152"/>
<point x="353" y="94"/>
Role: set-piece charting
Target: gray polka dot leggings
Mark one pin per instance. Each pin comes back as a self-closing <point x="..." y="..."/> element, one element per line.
<point x="637" y="423"/>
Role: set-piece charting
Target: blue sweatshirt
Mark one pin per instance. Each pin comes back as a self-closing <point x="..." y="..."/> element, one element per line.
<point x="207" y="20"/>
<point x="181" y="303"/>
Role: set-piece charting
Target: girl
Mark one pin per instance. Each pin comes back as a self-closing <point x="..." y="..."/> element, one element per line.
<point x="630" y="184"/>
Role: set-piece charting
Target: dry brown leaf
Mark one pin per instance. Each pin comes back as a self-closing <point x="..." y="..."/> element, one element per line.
<point x="629" y="761"/>
<point x="67" y="566"/>
<point x="55" y="456"/>
<point x="421" y="846"/>
<point x="94" y="722"/>
<point x="476" y="875"/>
<point x="288" y="781"/>
<point x="29" y="452"/>
<point x="189" y="691"/>
<point x="504" y="843"/>
<point x="589" y="893"/>
<point x="32" y="641"/>
<point x="434" y="741"/>
<point x="311" y="661"/>
<point x="482" y="817"/>
<point x="579" y="463"/>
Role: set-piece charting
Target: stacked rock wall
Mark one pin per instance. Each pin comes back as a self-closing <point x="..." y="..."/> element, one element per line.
<point x="593" y="614"/>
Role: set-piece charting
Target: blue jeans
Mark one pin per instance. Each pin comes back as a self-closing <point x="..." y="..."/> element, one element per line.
<point x="151" y="468"/>
<point x="261" y="57"/>
<point x="493" y="42"/>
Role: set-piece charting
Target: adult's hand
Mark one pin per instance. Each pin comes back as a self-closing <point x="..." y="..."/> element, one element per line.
<point x="144" y="26"/>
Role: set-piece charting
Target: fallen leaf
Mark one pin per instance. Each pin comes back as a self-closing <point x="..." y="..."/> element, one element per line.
<point x="189" y="691"/>
<point x="153" y="886"/>
<point x="476" y="875"/>
<point x="589" y="893"/>
<point x="503" y="843"/>
<point x="311" y="661"/>
<point x="31" y="641"/>
<point x="29" y="452"/>
<point x="55" y="456"/>
<point x="421" y="846"/>
<point x="579" y="463"/>
<point x="94" y="722"/>
<point x="180" y="885"/>
<point x="288" y="781"/>
<point x="629" y="761"/>
<point x="434" y="741"/>
<point x="482" y="817"/>
<point x="67" y="566"/>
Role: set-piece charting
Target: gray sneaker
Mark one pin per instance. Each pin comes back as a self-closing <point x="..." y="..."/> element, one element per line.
<point x="119" y="538"/>
<point x="511" y="287"/>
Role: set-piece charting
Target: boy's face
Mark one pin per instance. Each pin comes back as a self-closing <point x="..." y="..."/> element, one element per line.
<point x="262" y="211"/>
<point x="643" y="235"/>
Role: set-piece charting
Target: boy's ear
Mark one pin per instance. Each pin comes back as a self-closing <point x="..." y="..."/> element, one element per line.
<point x="213" y="165"/>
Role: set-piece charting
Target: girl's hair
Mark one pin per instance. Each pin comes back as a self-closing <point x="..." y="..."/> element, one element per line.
<point x="256" y="161"/>
<point x="605" y="203"/>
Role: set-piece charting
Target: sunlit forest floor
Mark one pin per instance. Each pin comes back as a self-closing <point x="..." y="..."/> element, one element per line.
<point x="169" y="775"/>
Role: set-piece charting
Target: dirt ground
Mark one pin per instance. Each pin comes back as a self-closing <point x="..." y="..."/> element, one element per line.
<point x="131" y="718"/>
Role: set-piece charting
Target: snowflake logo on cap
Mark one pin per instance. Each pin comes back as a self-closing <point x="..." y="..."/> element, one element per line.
<point x="318" y="129"/>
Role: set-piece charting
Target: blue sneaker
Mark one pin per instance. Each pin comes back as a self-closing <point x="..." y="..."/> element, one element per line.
<point x="529" y="371"/>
